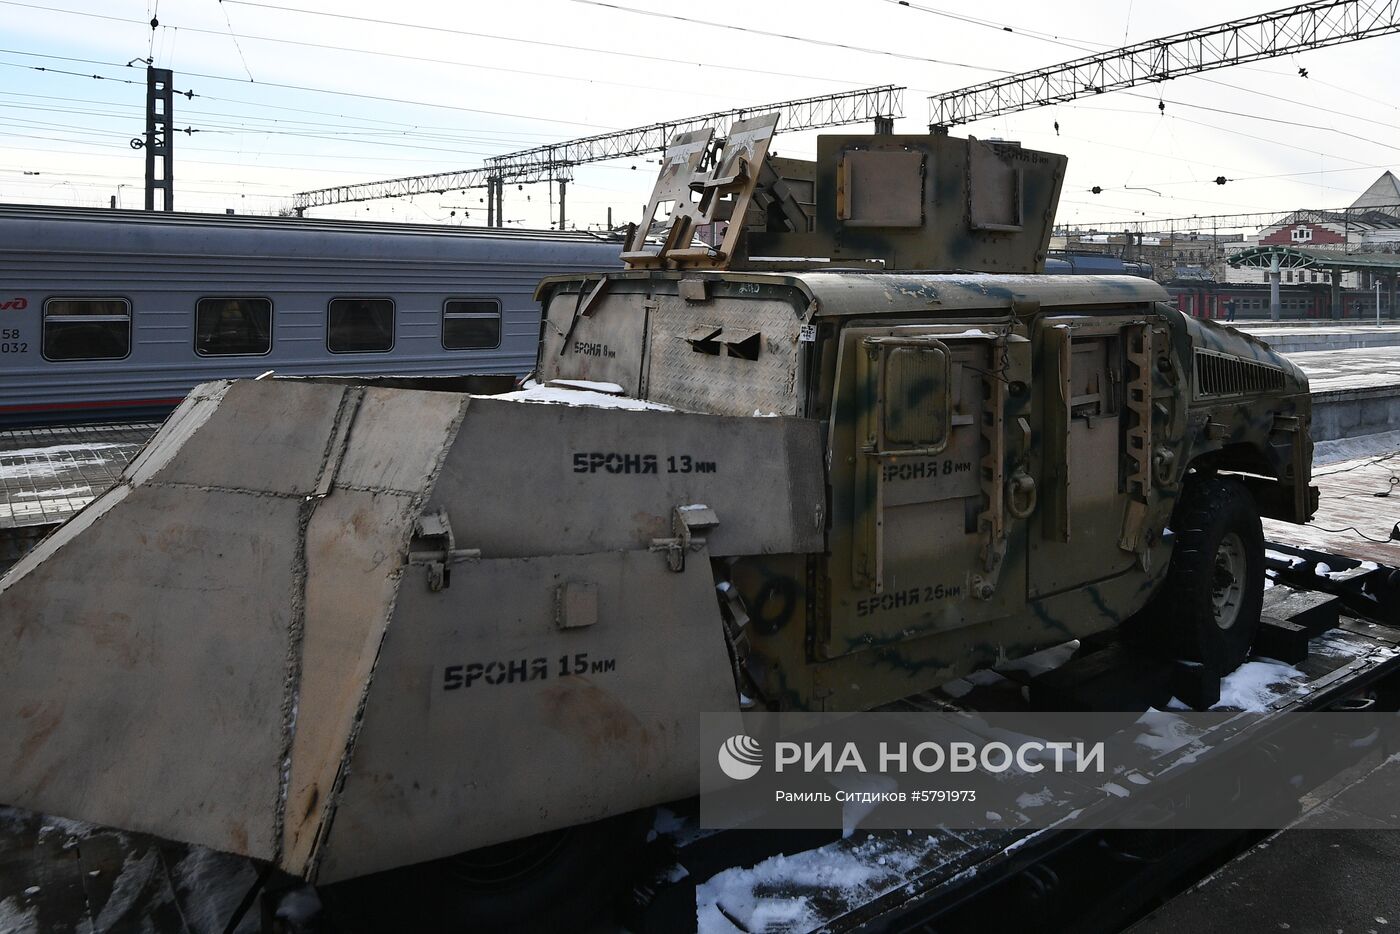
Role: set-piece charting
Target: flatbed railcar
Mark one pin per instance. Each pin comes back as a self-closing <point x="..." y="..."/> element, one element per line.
<point x="116" y="315"/>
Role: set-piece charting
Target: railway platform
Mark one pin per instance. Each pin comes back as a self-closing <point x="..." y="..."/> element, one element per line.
<point x="1303" y="878"/>
<point x="1292" y="337"/>
<point x="48" y="474"/>
<point x="1355" y="391"/>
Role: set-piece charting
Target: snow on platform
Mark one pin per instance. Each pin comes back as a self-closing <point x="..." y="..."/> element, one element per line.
<point x="1350" y="368"/>
<point x="48" y="474"/>
<point x="1291" y="338"/>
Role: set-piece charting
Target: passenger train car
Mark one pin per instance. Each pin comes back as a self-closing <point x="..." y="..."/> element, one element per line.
<point x="118" y="314"/>
<point x="1062" y="263"/>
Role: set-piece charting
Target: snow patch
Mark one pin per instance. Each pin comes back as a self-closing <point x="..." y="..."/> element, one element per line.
<point x="45" y="469"/>
<point x="1337" y="647"/>
<point x="587" y="385"/>
<point x="63" y="449"/>
<point x="683" y="830"/>
<point x="125" y="901"/>
<point x="1039" y="799"/>
<point x="853" y="812"/>
<point x="556" y="395"/>
<point x="62" y="491"/>
<point x="15" y="919"/>
<point x="1164" y="732"/>
<point x="1038" y="663"/>
<point x="837" y="870"/>
<point x="300" y="907"/>
<point x="1290" y="560"/>
<point x="1344" y="449"/>
<point x="1255" y="686"/>
<point x="210" y="885"/>
<point x="958" y="687"/>
<point x="77" y="829"/>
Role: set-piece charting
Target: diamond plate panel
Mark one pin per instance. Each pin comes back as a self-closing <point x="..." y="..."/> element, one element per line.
<point x="724" y="382"/>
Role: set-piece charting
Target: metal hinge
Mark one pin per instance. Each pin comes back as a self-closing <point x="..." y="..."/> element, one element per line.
<point x="434" y="547"/>
<point x="685" y="522"/>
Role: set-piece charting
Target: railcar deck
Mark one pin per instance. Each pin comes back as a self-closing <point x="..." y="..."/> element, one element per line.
<point x="953" y="881"/>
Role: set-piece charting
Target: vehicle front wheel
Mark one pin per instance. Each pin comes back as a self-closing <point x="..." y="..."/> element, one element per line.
<point x="1207" y="609"/>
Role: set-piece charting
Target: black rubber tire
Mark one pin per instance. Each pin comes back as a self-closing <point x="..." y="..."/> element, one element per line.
<point x="1182" y="618"/>
<point x="558" y="881"/>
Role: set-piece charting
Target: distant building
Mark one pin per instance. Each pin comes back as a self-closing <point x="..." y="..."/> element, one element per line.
<point x="1383" y="196"/>
<point x="1167" y="253"/>
<point x="1370" y="225"/>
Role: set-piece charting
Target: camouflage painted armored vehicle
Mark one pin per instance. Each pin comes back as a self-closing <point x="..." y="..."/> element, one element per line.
<point x="344" y="626"/>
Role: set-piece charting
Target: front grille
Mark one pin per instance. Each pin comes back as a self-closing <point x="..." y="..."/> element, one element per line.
<point x="1221" y="375"/>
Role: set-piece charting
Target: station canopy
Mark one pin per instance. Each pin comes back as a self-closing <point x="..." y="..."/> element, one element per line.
<point x="1298" y="257"/>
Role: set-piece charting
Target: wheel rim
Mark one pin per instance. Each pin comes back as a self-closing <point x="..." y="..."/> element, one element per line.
<point x="1227" y="584"/>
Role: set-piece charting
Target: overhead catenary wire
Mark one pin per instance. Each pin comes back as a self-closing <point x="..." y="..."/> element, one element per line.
<point x="232" y="35"/>
<point x="195" y="105"/>
<point x="382" y="53"/>
<point x="297" y="87"/>
<point x="570" y="47"/>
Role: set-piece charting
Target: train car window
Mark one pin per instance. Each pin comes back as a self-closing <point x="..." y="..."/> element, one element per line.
<point x="471" y="324"/>
<point x="225" y="326"/>
<point x="360" y="325"/>
<point x="86" y="329"/>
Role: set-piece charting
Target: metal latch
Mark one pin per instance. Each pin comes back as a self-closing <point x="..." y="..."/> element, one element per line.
<point x="434" y="546"/>
<point x="685" y="522"/>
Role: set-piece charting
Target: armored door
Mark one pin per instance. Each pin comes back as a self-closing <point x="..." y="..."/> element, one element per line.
<point x="930" y="484"/>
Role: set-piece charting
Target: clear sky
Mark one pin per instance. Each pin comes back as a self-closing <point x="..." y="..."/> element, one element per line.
<point x="313" y="93"/>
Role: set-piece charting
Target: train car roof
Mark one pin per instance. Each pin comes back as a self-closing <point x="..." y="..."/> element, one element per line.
<point x="55" y="227"/>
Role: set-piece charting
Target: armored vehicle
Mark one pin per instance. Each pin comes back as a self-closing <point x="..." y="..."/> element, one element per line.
<point x="343" y="626"/>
